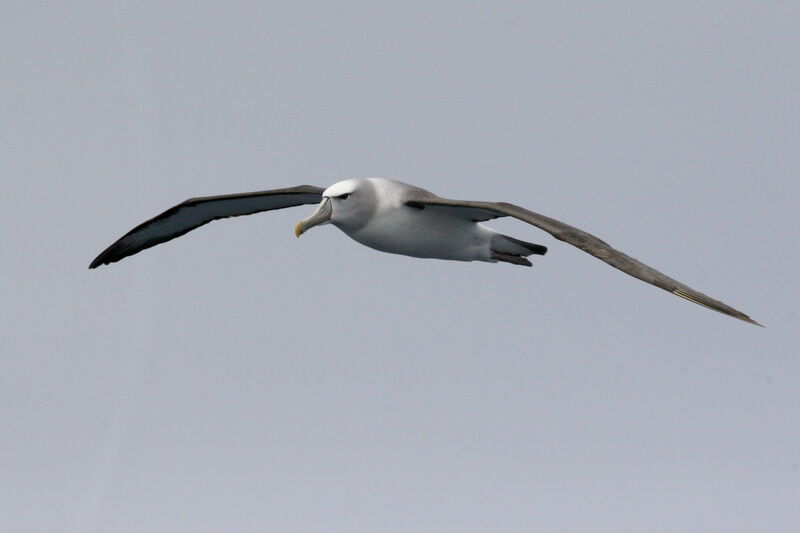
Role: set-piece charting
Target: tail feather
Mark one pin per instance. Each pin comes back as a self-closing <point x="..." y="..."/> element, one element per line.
<point x="510" y="245"/>
<point x="511" y="258"/>
<point x="511" y="250"/>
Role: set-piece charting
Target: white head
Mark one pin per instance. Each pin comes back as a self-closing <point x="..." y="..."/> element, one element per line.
<point x="348" y="204"/>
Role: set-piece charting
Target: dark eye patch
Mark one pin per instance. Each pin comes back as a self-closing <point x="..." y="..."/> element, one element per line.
<point x="343" y="196"/>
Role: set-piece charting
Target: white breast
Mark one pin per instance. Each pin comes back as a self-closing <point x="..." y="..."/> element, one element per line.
<point x="425" y="233"/>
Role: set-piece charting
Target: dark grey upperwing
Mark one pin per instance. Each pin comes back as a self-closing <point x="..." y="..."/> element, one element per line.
<point x="195" y="212"/>
<point x="479" y="211"/>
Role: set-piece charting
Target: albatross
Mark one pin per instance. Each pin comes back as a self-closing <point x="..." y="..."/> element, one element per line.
<point x="399" y="218"/>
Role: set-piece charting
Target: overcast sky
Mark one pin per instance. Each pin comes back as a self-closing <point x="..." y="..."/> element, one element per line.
<point x="239" y="379"/>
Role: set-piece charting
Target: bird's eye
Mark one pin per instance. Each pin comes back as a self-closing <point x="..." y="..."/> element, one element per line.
<point x="343" y="196"/>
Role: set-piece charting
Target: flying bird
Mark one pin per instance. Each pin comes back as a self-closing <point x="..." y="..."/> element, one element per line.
<point x="399" y="218"/>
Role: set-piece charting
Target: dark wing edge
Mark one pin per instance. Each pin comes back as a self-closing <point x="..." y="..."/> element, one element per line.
<point x="196" y="212"/>
<point x="586" y="242"/>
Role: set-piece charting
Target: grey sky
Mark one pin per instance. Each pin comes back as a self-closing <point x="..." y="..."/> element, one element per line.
<point x="239" y="379"/>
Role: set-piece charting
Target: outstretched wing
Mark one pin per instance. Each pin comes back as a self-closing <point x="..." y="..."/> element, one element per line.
<point x="479" y="211"/>
<point x="195" y="212"/>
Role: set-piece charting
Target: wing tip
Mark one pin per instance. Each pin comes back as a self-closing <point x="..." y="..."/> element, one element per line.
<point x="751" y="321"/>
<point x="715" y="306"/>
<point x="99" y="261"/>
<point x="112" y="254"/>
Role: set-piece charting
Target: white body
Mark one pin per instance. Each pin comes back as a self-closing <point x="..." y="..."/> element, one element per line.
<point x="399" y="229"/>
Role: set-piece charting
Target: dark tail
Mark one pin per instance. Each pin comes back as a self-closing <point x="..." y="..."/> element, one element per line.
<point x="511" y="250"/>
